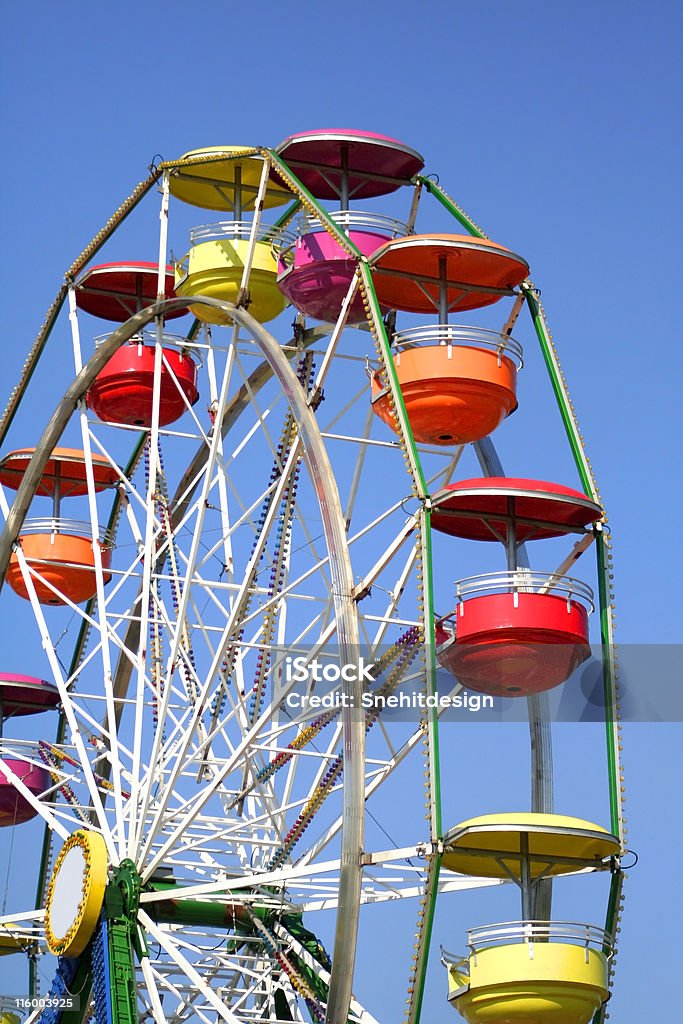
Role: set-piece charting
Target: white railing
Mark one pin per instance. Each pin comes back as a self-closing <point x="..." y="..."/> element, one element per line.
<point x="70" y="527"/>
<point x="358" y="220"/>
<point x="454" y="336"/>
<point x="586" y="936"/>
<point x="241" y="231"/>
<point x="525" y="581"/>
<point x="577" y="934"/>
<point x="173" y="341"/>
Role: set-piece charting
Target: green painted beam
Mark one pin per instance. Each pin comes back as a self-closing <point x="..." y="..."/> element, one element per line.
<point x="307" y="199"/>
<point x="590" y="487"/>
<point x="122" y="974"/>
<point x="435" y="190"/>
<point x="393" y="381"/>
<point x="117" y="218"/>
<point x="177" y="910"/>
<point x="609" y="690"/>
<point x="560" y="392"/>
<point x="611" y="922"/>
<point x="431" y="681"/>
<point x="432" y="890"/>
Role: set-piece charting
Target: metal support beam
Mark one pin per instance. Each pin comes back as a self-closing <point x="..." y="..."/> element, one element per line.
<point x="538" y="710"/>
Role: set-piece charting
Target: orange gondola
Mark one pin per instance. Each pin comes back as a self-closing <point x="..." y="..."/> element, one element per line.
<point x="64" y="560"/>
<point x="61" y="552"/>
<point x="64" y="473"/>
<point x="458" y="384"/>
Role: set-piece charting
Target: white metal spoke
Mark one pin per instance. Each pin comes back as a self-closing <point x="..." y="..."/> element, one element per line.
<point x="38" y="805"/>
<point x="152" y="991"/>
<point x="165" y="941"/>
<point x="77" y="738"/>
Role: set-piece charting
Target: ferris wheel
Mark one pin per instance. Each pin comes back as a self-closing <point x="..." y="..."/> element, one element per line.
<point x="219" y="550"/>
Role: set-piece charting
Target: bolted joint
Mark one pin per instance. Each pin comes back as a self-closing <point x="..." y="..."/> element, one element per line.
<point x="122" y="895"/>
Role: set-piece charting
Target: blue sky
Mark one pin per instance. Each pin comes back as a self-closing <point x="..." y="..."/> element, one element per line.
<point x="554" y="125"/>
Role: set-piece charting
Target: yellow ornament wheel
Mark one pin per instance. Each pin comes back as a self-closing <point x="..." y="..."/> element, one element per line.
<point x="75" y="893"/>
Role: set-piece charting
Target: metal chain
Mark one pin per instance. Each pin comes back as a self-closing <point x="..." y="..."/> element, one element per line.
<point x="407" y="648"/>
<point x="306" y="735"/>
<point x="51" y="760"/>
<point x="287" y="436"/>
<point x="299" y="985"/>
<point x="43" y="334"/>
<point x="283" y="534"/>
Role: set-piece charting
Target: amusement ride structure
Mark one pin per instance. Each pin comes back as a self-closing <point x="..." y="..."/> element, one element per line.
<point x="267" y="488"/>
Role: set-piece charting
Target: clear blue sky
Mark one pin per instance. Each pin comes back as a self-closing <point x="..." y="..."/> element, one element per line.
<point x="557" y="126"/>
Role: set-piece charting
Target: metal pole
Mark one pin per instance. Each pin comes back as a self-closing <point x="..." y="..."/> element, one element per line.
<point x="344" y="188"/>
<point x="538" y="711"/>
<point x="57" y="494"/>
<point x="511" y="537"/>
<point x="414" y="1012"/>
<point x="525" y="877"/>
<point x="443" y="291"/>
<point x="237" y="201"/>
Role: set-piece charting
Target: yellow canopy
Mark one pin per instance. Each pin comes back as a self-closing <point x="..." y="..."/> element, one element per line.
<point x="211" y="184"/>
<point x="488" y="844"/>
